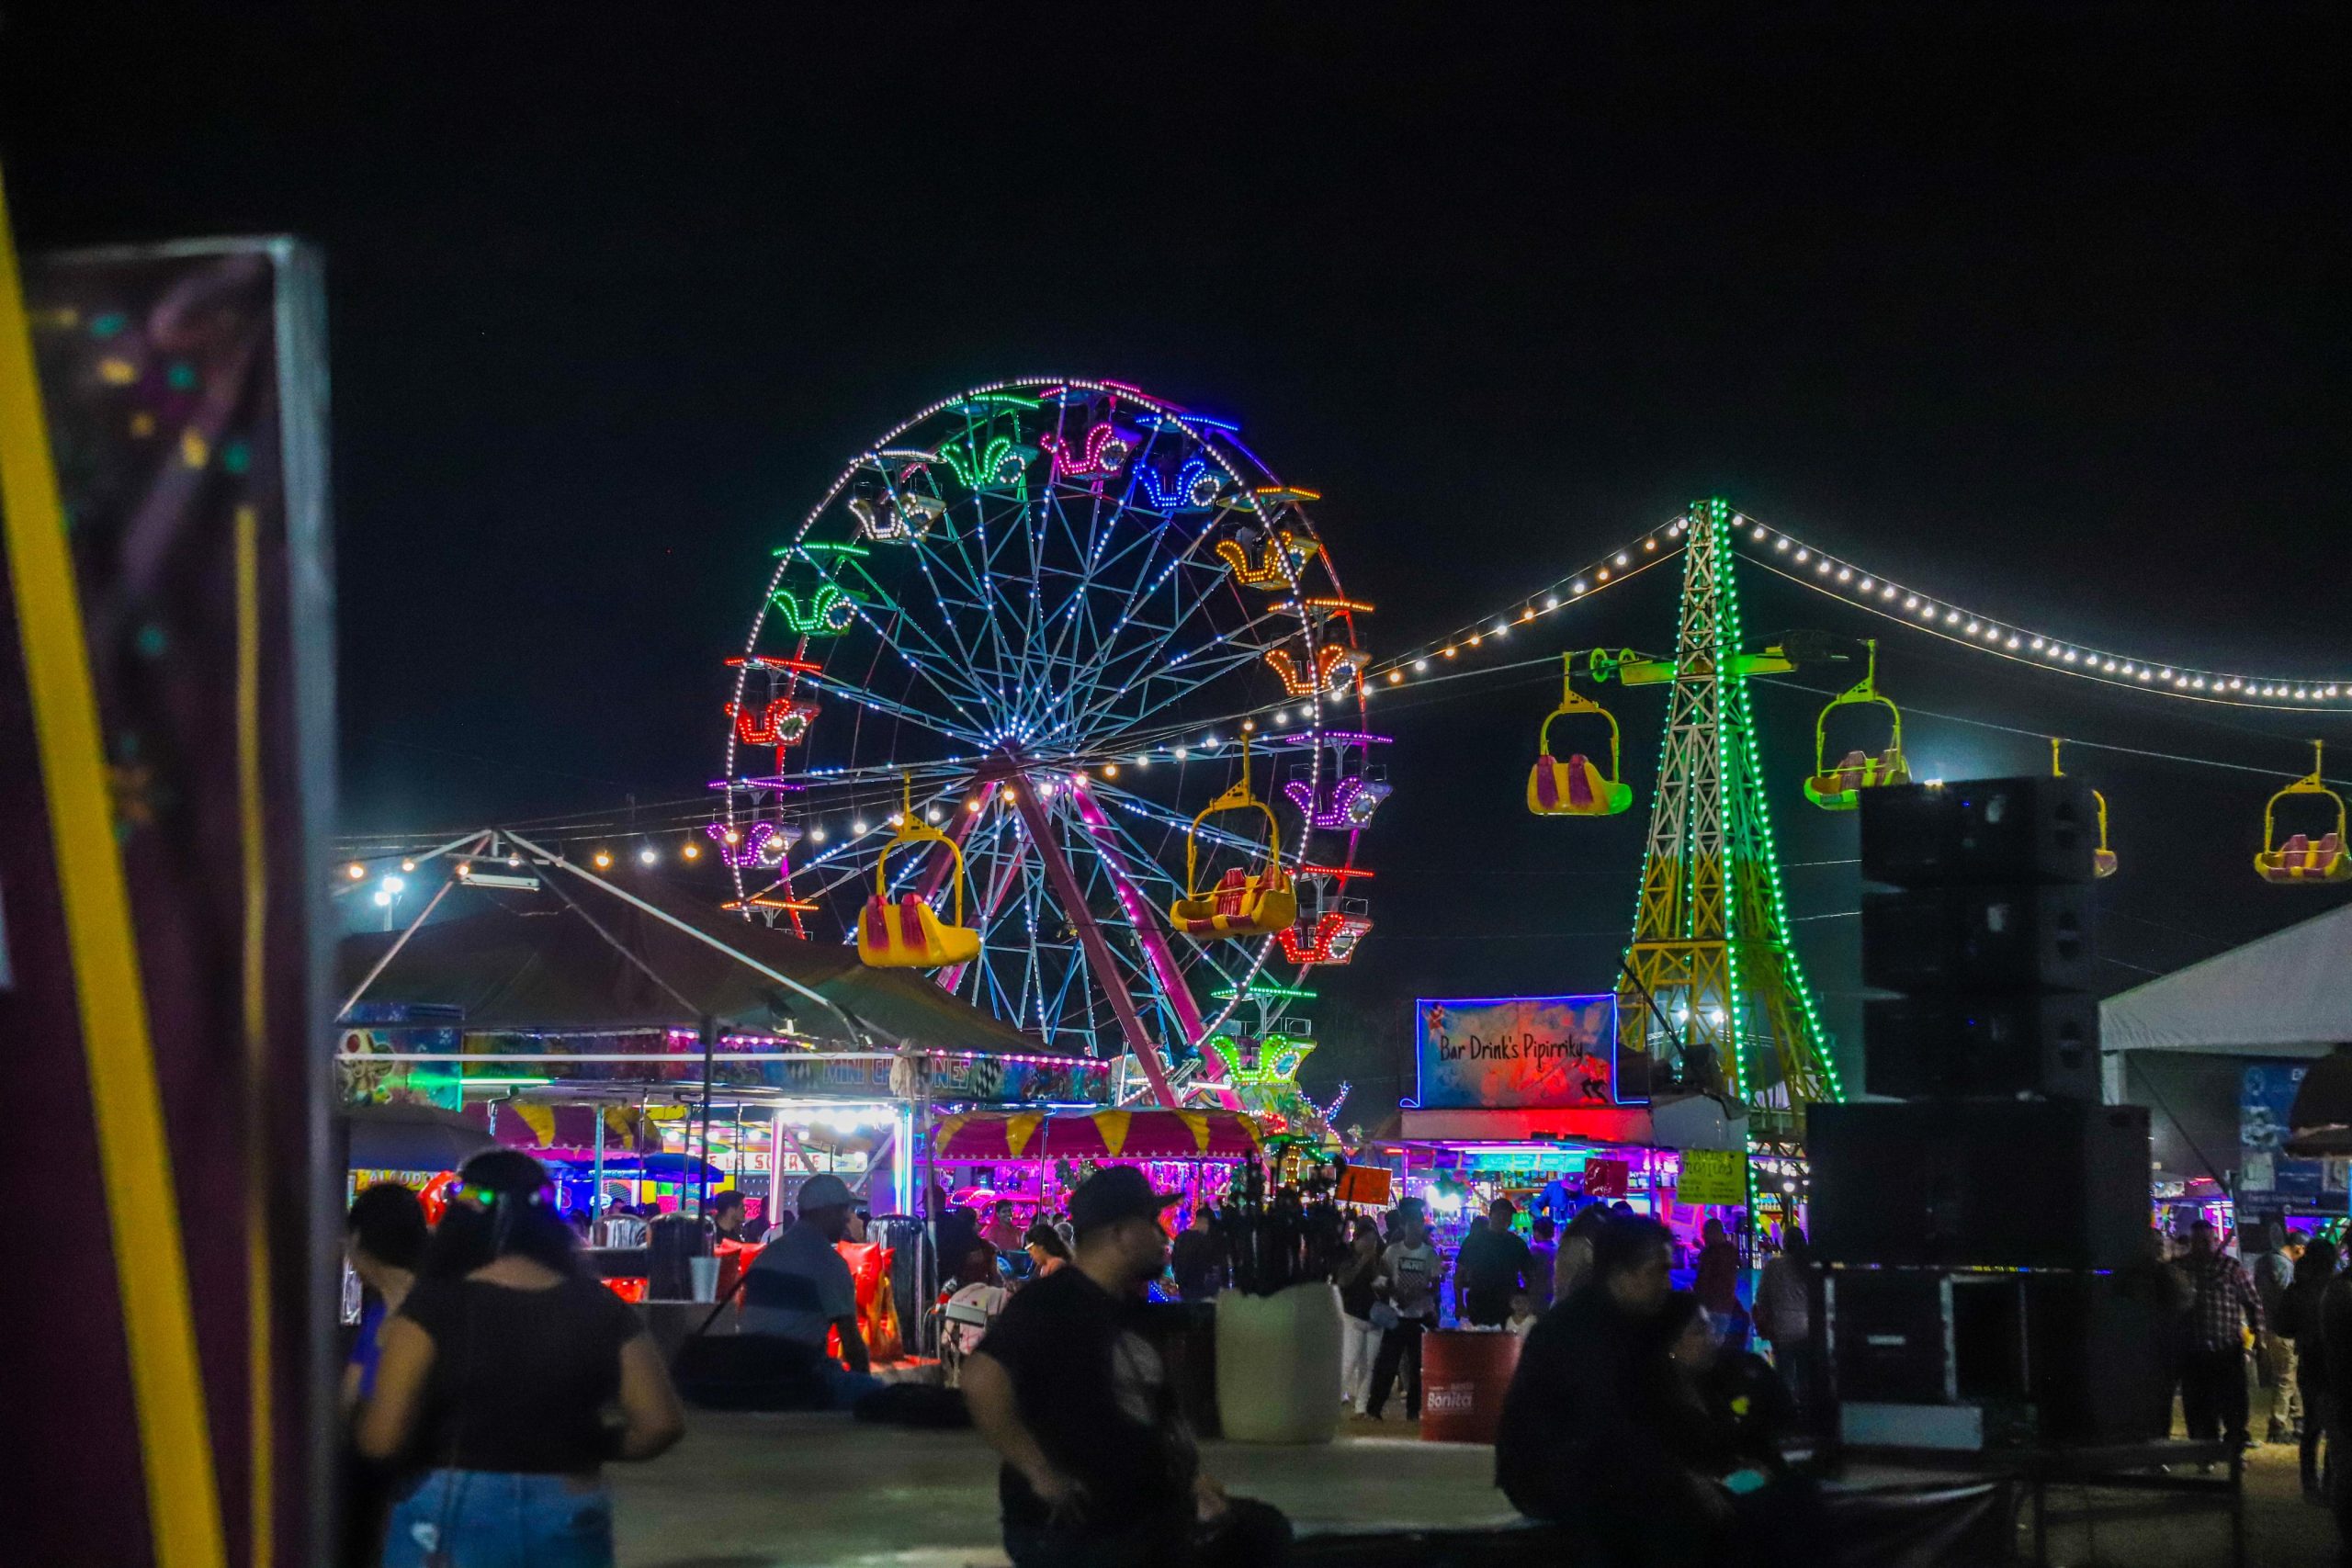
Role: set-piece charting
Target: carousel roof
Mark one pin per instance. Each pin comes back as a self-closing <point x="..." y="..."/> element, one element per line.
<point x="531" y="961"/>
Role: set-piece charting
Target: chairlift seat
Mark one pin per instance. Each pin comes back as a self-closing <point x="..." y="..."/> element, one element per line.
<point x="1239" y="905"/>
<point x="909" y="935"/>
<point x="1573" y="788"/>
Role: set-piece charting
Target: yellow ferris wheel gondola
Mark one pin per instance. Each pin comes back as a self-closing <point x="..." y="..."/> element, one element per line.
<point x="2102" y="858"/>
<point x="1574" y="787"/>
<point x="909" y="934"/>
<point x="1838" y="786"/>
<point x="2303" y="858"/>
<point x="1243" y="903"/>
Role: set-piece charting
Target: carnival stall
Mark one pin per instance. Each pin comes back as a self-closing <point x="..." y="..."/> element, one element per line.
<point x="1031" y="1158"/>
<point x="656" y="1051"/>
<point x="1519" y="1098"/>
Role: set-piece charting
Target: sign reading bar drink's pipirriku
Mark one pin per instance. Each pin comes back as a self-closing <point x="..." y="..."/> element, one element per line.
<point x="1516" y="1052"/>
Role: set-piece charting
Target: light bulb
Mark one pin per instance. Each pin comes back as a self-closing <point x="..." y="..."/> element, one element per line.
<point x="648" y="855"/>
<point x="604" y="859"/>
<point x="394" y="885"/>
<point x="384" y="899"/>
<point x="816" y="835"/>
<point x="973" y="806"/>
<point x="691" y="850"/>
<point x="857" y="825"/>
<point x="356" y="872"/>
<point x="465" y="868"/>
<point x="514" y="859"/>
<point x="408" y="865"/>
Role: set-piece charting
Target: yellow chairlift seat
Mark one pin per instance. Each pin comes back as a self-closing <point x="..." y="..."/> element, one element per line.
<point x="2302" y="858"/>
<point x="2103" y="860"/>
<point x="1572" y="786"/>
<point x="909" y="934"/>
<point x="1242" y="903"/>
<point x="1838" y="787"/>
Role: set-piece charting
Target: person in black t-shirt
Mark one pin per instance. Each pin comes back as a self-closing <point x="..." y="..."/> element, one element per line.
<point x="1493" y="1266"/>
<point x="1100" y="1468"/>
<point x="498" y="1373"/>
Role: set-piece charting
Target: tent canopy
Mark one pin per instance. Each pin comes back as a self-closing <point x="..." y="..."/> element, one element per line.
<point x="2287" y="994"/>
<point x="528" y="961"/>
<point x="1116" y="1135"/>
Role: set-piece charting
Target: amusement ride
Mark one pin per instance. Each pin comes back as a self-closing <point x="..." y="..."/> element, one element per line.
<point x="1070" y="673"/>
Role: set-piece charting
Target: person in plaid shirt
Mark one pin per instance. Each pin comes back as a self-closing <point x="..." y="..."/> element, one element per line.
<point x="2212" y="1388"/>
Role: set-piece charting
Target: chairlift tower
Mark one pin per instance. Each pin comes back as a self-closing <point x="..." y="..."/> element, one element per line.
<point x="1711" y="979"/>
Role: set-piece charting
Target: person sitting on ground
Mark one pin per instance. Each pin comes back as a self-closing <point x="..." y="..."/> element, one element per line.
<point x="1099" y="1465"/>
<point x="1047" y="1253"/>
<point x="1493" y="1265"/>
<point x="499" y="1370"/>
<point x="800" y="1289"/>
<point x="1586" y="1441"/>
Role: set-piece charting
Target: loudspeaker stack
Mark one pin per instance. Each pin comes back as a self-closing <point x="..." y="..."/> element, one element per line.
<point x="1985" y="1233"/>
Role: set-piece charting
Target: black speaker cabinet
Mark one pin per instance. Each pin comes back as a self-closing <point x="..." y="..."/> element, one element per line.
<point x="2033" y="830"/>
<point x="2067" y="1356"/>
<point x="1980" y="1184"/>
<point x="1974" y="1047"/>
<point x="1977" y="939"/>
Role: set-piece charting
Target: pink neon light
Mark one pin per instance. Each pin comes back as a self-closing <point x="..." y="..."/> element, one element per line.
<point x="1106" y="449"/>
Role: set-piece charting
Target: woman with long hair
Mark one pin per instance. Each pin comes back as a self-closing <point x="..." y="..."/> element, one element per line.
<point x="1047" y="1253"/>
<point x="510" y="1377"/>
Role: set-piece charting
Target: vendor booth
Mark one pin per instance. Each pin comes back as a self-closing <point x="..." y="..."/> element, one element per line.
<point x="1518" y="1098"/>
<point x="654" y="1051"/>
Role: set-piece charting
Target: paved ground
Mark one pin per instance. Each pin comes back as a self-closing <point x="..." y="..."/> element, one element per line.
<point x="772" y="1491"/>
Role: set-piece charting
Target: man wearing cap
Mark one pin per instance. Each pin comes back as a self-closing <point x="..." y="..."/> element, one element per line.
<point x="1100" y="1468"/>
<point x="799" y="1288"/>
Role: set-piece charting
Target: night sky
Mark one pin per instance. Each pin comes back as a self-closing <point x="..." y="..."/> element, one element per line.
<point x="2044" y="309"/>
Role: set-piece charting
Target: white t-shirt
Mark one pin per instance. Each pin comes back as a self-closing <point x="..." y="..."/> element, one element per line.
<point x="1410" y="1275"/>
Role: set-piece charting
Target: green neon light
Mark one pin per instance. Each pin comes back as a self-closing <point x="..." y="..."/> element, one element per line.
<point x="813" y="550"/>
<point x="829" y="611"/>
<point x="504" y="1079"/>
<point x="1286" y="993"/>
<point x="1000" y="462"/>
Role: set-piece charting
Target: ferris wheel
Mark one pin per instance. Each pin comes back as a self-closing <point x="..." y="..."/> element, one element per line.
<point x="1051" y="665"/>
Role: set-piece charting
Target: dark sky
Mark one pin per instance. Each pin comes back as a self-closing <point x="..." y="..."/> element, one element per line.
<point x="2042" y="308"/>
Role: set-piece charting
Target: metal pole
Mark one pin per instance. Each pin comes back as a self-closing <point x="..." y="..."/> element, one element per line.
<point x="596" y="1191"/>
<point x="702" y="1172"/>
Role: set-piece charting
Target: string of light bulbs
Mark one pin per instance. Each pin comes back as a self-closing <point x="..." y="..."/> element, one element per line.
<point x="1841" y="578"/>
<point x="1622" y="565"/>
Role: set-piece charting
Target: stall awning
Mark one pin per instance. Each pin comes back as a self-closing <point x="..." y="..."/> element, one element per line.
<point x="2282" y="995"/>
<point x="1598" y="1124"/>
<point x="1116" y="1135"/>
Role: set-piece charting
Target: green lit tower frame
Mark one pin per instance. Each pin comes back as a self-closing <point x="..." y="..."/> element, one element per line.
<point x="1710" y="977"/>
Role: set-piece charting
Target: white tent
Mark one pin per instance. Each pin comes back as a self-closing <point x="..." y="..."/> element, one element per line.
<point x="2287" y="994"/>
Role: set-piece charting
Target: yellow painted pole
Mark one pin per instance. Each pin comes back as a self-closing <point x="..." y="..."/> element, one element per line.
<point x="175" y="1443"/>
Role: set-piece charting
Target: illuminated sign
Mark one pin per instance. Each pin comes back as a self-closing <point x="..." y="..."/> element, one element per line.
<point x="1515" y="1052"/>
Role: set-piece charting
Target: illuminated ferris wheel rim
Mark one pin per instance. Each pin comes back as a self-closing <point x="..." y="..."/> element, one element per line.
<point x="993" y="749"/>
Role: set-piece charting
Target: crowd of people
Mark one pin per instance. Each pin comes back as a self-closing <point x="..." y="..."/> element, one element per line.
<point x="491" y="1377"/>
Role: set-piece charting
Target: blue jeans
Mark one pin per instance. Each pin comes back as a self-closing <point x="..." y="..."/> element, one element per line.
<point x="488" y="1518"/>
<point x="845" y="1388"/>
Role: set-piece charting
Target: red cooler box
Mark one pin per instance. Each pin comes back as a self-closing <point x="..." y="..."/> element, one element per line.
<point x="1465" y="1374"/>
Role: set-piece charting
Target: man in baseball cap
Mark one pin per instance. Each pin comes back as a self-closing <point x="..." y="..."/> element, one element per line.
<point x="1098" y="1464"/>
<point x="799" y="1288"/>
